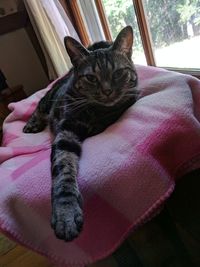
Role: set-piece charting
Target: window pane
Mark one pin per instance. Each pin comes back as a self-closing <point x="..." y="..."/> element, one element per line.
<point x="121" y="13"/>
<point x="175" y="31"/>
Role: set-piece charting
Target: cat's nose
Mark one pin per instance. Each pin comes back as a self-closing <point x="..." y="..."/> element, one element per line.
<point x="107" y="91"/>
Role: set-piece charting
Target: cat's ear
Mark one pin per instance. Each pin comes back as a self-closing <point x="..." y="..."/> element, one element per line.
<point x="75" y="50"/>
<point x="124" y="41"/>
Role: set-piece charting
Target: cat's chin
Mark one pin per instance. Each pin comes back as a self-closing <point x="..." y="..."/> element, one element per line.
<point x="110" y="104"/>
<point x="107" y="103"/>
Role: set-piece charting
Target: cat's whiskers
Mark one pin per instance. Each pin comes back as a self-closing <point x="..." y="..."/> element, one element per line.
<point x="71" y="105"/>
<point x="74" y="106"/>
<point x="78" y="108"/>
<point x="62" y="100"/>
<point x="134" y="92"/>
<point x="131" y="89"/>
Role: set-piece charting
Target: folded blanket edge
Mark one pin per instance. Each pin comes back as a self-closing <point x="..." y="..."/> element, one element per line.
<point x="146" y="216"/>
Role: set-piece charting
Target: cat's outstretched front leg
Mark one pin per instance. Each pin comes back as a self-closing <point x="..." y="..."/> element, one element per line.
<point x="67" y="214"/>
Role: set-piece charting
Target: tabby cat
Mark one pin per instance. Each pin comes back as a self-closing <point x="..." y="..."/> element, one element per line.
<point x="100" y="86"/>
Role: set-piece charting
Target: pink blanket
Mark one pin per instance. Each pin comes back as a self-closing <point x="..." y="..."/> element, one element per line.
<point x="126" y="172"/>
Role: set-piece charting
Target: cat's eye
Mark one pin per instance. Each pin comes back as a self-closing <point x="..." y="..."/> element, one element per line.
<point x="118" y="74"/>
<point x="91" y="78"/>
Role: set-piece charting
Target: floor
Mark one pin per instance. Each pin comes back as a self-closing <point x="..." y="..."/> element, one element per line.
<point x="171" y="239"/>
<point x="12" y="255"/>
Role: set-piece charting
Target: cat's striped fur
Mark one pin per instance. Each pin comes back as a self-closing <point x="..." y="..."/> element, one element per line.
<point x="97" y="90"/>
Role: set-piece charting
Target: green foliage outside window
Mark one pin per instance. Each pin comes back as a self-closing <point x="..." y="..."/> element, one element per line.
<point x="170" y="21"/>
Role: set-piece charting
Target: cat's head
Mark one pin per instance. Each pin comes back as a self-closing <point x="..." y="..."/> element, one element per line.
<point x="104" y="73"/>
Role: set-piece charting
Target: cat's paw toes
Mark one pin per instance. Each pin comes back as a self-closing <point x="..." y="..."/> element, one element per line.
<point x="67" y="221"/>
<point x="29" y="128"/>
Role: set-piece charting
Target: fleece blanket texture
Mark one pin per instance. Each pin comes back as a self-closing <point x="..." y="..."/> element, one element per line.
<point x="126" y="173"/>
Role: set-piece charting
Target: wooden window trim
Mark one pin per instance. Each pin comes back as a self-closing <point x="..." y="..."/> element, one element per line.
<point x="144" y="32"/>
<point x="103" y="19"/>
<point x="193" y="72"/>
<point x="65" y="7"/>
<point x="76" y="16"/>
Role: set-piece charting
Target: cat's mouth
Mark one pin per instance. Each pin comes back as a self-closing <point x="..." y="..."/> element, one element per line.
<point x="108" y="101"/>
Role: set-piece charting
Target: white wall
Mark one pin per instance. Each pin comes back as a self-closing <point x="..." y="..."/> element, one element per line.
<point x="20" y="63"/>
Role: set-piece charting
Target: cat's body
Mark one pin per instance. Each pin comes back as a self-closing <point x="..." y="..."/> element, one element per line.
<point x="94" y="94"/>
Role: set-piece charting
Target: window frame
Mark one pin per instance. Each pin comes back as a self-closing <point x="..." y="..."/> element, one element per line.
<point x="143" y="28"/>
<point x="77" y="20"/>
<point x="92" y="20"/>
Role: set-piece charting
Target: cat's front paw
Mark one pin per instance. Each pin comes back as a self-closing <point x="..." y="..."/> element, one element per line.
<point x="67" y="220"/>
<point x="32" y="128"/>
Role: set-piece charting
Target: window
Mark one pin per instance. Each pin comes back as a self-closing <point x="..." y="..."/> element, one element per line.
<point x="166" y="32"/>
<point x="120" y="14"/>
<point x="175" y="32"/>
